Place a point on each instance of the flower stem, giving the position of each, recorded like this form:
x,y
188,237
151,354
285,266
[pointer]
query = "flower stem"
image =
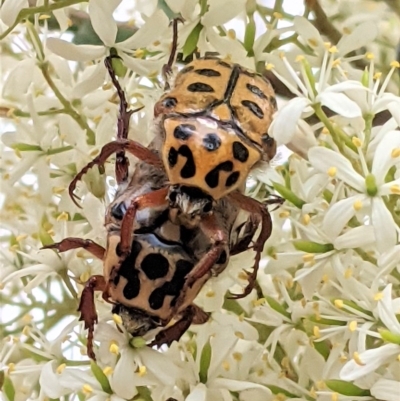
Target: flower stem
x,y
67,105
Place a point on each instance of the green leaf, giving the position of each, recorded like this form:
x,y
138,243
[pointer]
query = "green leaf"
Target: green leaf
x,y
312,247
276,306
100,377
8,389
390,336
250,34
205,361
322,348
26,147
288,195
346,388
119,67
280,390
191,42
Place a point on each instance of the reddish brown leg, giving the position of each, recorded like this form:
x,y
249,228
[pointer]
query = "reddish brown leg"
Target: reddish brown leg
x,y
218,239
152,199
243,242
132,147
74,243
167,68
192,314
253,206
88,309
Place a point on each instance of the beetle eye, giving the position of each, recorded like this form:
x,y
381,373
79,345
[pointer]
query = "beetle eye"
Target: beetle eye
x,y
169,102
207,207
172,197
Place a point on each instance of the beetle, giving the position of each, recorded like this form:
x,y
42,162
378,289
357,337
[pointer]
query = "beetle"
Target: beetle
x,y
153,267
208,140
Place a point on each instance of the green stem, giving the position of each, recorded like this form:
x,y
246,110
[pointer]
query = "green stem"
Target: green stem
x,y
67,105
67,282
27,12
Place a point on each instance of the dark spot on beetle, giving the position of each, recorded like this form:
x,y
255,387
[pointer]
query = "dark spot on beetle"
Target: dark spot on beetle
x,y
240,152
128,265
184,131
249,73
257,91
116,279
185,234
208,72
155,266
118,211
232,179
183,267
222,258
254,108
156,299
186,69
132,287
200,87
212,178
169,102
224,64
172,157
189,169
272,100
211,142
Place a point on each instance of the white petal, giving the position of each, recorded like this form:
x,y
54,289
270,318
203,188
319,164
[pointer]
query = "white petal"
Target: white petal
x,y
73,52
389,259
221,11
122,380
49,382
340,104
323,159
19,79
142,66
101,17
386,311
91,79
236,385
383,102
383,160
199,393
308,32
62,18
386,390
355,238
347,86
394,108
362,35
156,26
283,126
371,360
384,226
10,10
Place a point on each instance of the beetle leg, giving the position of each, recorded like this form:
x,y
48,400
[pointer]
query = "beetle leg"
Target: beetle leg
x,y
167,68
74,243
88,309
243,242
255,207
192,314
153,199
132,147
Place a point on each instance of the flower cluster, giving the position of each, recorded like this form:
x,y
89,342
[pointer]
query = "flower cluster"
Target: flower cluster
x,y
323,322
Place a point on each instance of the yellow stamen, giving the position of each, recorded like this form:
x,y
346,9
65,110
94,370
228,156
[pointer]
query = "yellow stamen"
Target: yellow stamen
x,y
108,370
60,368
358,361
395,152
357,205
231,34
338,303
395,64
117,319
84,277
142,371
332,171
138,53
258,302
284,215
210,294
333,49
87,389
239,334
114,349
237,356
356,141
44,16
336,63
377,75
395,189
225,365
325,278
26,330
308,257
316,332
11,367
378,296
348,272
277,15
343,358
306,219
369,56
63,216
353,325
299,58
269,66
334,396
327,45
58,190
